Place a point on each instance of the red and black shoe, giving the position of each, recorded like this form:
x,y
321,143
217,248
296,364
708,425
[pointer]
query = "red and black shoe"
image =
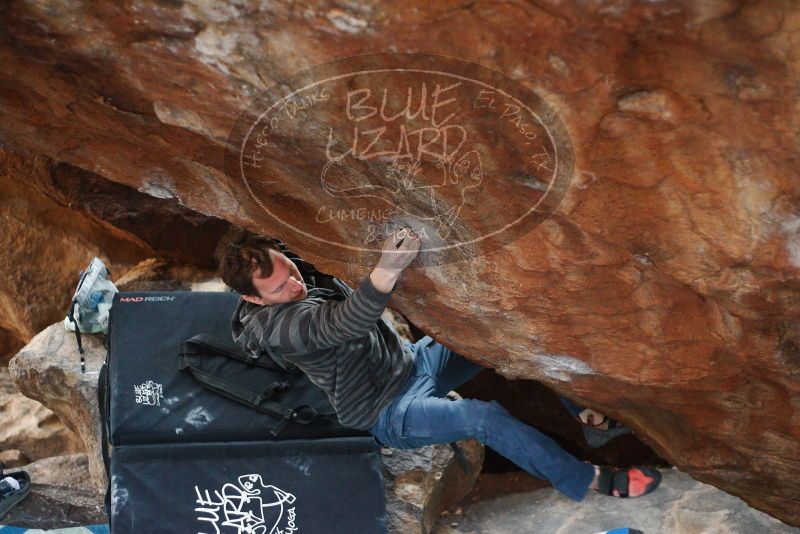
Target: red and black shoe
x,y
631,482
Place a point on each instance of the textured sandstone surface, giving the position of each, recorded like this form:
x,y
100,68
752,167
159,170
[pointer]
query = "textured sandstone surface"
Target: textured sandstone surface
x,y
13,458
29,431
71,470
48,506
33,430
420,483
56,217
682,505
45,244
48,370
663,290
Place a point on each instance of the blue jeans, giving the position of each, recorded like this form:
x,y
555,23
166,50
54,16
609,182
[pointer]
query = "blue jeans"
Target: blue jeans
x,y
420,416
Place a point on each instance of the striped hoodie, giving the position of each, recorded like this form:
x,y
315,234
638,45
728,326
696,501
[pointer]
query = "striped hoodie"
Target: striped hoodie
x,y
337,337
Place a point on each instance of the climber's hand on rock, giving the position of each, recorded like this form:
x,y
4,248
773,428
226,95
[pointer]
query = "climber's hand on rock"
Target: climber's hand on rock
x,y
399,250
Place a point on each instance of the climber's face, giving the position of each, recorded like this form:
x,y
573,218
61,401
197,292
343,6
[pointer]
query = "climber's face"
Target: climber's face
x,y
284,285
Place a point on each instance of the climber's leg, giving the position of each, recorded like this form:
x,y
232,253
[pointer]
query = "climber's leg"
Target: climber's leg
x,y
447,368
427,420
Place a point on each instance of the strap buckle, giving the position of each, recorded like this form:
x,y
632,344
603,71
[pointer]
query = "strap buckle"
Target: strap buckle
x,y
304,414
270,391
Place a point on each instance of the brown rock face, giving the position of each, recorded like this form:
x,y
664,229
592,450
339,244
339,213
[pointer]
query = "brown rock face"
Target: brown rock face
x,y
33,430
56,217
45,244
29,431
662,289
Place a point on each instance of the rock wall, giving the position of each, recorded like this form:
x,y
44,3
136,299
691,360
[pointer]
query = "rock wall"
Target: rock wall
x,y
664,288
45,245
56,217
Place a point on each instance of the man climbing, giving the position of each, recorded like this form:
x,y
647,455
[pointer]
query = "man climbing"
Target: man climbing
x,y
377,382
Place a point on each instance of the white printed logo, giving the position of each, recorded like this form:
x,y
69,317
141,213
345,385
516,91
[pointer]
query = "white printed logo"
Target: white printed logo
x,y
150,393
251,507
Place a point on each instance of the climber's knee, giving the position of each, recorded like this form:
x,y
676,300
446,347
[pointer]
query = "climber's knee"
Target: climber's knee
x,y
481,417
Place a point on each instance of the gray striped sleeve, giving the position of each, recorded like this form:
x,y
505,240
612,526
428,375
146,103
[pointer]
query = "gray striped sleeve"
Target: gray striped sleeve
x,y
309,325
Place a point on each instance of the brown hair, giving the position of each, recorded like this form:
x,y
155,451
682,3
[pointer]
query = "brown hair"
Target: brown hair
x,y
239,254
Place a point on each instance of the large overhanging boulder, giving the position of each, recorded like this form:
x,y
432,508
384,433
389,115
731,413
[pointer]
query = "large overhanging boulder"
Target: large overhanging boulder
x,y
659,282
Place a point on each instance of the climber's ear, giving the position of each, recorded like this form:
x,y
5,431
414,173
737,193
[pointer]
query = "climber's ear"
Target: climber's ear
x,y
255,300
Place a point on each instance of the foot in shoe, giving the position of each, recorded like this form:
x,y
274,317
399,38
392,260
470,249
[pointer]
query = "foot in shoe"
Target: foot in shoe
x,y
631,482
594,419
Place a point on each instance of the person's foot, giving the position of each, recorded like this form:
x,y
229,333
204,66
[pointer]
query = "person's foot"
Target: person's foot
x,y
598,429
631,482
595,419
